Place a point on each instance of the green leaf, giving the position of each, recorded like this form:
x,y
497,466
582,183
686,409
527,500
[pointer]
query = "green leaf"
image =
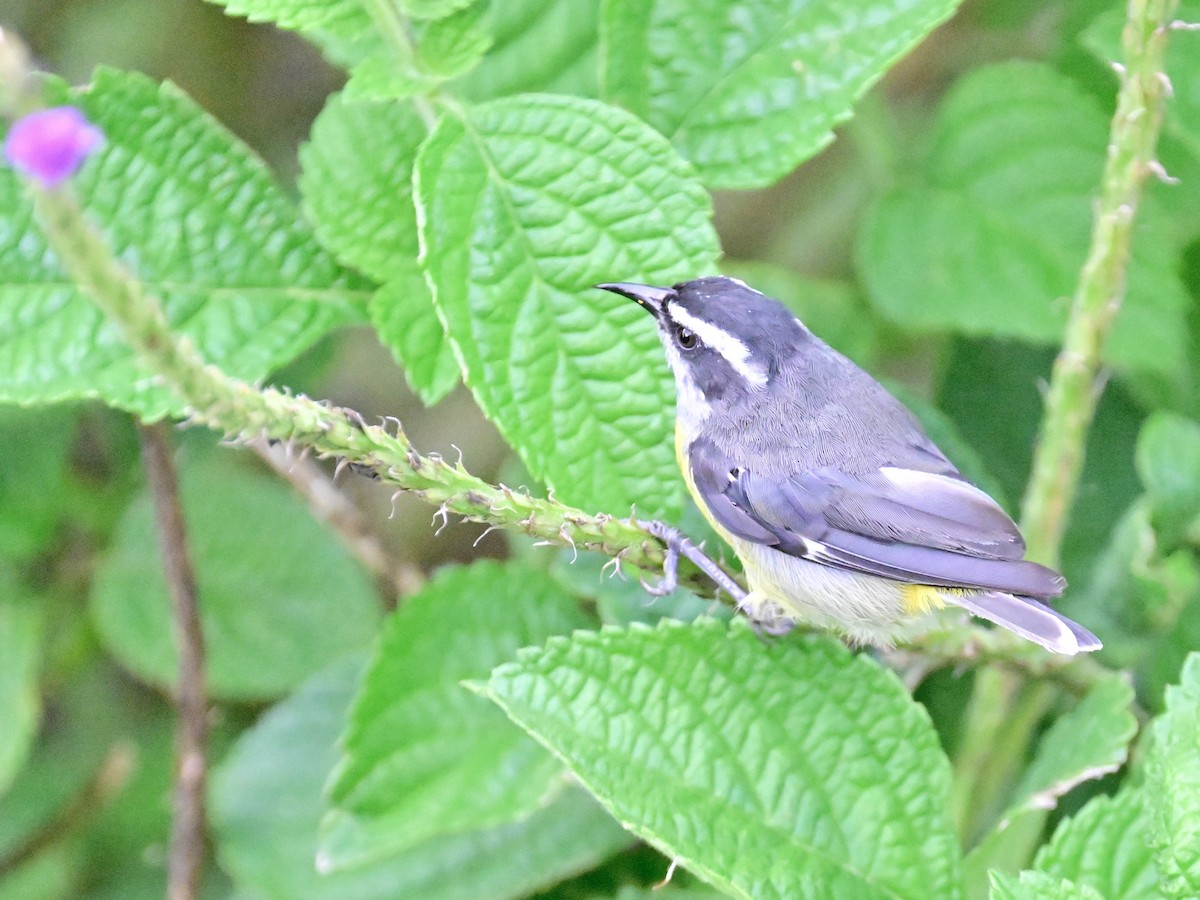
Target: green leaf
x,y
749,91
786,770
78,749
356,178
620,600
50,875
381,65
538,45
406,320
35,490
1105,846
1173,786
279,597
356,181
20,703
1038,886
343,29
1168,463
432,9
1088,742
201,223
524,204
990,242
666,892
453,46
422,756
266,803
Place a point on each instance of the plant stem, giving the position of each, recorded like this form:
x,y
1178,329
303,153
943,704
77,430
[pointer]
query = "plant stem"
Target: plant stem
x,y
245,412
185,859
398,577
1076,383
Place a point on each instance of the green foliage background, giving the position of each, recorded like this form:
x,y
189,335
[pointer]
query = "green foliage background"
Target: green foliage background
x,y
401,205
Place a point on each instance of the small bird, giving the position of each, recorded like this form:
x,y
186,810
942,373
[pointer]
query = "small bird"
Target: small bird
x,y
843,512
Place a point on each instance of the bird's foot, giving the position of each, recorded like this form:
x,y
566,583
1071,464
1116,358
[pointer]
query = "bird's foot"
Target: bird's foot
x,y
678,545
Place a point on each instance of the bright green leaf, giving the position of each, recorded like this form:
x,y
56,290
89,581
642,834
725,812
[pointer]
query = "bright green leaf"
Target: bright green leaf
x,y
992,241
381,65
20,703
453,46
266,803
524,205
537,45
1038,886
199,220
356,178
1105,846
405,319
1172,787
432,9
279,596
749,91
787,770
422,756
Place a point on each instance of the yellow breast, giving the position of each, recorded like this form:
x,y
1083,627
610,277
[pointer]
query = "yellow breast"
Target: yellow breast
x,y
863,606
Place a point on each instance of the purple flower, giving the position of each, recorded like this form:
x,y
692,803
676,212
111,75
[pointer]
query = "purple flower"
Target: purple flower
x,y
50,145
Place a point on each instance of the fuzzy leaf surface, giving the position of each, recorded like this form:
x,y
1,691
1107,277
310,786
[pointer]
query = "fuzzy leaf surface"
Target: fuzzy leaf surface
x,y
785,770
524,204
201,223
749,91
267,802
1038,886
1105,846
356,179
1173,786
423,757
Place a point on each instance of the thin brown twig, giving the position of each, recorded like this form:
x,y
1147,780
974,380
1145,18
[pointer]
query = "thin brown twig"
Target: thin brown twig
x,y
185,861
333,507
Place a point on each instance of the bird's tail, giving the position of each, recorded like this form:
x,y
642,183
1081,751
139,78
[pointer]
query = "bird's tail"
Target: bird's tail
x,y
1030,619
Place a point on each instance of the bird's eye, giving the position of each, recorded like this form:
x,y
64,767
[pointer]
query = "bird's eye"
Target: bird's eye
x,y
686,338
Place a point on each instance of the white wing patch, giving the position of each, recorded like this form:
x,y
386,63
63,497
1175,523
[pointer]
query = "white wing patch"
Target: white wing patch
x,y
735,352
918,482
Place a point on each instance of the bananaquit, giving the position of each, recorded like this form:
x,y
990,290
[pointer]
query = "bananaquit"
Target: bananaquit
x,y
843,512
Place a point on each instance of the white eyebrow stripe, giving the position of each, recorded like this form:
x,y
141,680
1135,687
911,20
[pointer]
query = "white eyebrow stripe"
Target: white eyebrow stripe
x,y
736,353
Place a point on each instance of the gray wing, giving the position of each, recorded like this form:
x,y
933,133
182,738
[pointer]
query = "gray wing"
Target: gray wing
x,y
898,523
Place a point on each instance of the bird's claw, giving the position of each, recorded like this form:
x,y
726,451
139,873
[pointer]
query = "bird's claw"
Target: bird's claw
x,y
678,545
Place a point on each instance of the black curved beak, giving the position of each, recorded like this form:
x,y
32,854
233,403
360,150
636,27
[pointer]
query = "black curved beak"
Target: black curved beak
x,y
649,298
